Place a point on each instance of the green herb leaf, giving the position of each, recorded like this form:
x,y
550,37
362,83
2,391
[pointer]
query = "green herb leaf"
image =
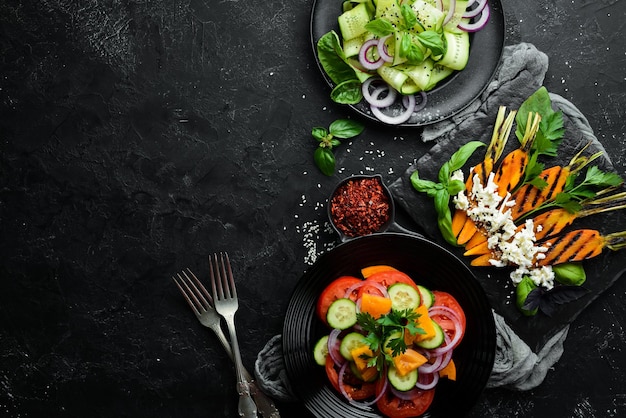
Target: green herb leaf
x,y
347,92
459,158
345,128
319,133
433,41
325,160
332,58
408,14
380,27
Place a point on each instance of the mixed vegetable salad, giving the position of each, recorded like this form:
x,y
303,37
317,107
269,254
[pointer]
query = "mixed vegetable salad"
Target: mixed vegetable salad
x,y
391,48
390,340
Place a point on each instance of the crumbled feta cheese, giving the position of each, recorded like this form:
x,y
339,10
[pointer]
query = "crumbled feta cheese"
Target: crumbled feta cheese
x,y
514,246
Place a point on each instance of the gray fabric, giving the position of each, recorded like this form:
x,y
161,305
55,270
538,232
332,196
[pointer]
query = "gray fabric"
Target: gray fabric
x,y
516,366
523,69
270,372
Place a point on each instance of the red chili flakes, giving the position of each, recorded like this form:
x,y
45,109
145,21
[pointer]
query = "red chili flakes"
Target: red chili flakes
x,y
360,207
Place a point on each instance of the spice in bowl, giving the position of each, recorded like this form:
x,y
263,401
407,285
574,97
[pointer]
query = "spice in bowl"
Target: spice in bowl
x,y
360,206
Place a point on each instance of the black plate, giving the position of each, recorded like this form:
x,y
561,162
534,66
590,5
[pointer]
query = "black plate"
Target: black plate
x,y
428,264
449,97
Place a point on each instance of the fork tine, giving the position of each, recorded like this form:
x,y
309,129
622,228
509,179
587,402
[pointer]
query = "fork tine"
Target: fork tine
x,y
213,269
191,299
206,297
231,280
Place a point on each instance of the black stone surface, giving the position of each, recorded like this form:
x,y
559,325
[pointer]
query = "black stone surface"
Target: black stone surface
x,y
137,137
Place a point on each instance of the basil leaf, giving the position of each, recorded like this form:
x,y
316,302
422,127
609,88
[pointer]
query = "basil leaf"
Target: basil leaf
x,y
345,128
455,187
433,41
459,158
325,160
405,44
380,27
319,133
408,14
415,54
442,199
347,92
332,58
424,186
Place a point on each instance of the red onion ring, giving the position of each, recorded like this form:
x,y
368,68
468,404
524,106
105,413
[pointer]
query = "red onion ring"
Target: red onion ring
x,y
440,362
382,49
395,120
333,347
342,372
475,11
405,395
451,8
422,103
373,97
364,59
477,24
449,345
382,289
425,385
444,311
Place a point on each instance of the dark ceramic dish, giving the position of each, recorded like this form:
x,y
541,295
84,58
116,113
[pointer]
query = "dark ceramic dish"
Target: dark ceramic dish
x,y
428,264
453,94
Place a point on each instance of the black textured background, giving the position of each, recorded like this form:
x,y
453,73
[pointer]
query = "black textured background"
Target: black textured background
x,y
139,136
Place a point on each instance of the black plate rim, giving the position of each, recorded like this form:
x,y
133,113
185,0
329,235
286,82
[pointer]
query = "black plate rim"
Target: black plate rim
x,y
458,92
318,397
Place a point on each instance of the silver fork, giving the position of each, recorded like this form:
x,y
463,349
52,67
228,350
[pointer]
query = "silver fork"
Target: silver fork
x,y
201,304
226,304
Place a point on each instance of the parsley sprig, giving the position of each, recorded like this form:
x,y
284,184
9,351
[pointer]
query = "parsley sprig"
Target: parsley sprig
x,y
389,329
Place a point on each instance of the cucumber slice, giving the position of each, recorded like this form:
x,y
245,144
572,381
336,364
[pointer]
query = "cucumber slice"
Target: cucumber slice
x,y
438,74
393,76
393,336
355,371
389,10
349,343
352,23
320,351
457,52
430,17
402,383
420,73
428,298
341,314
435,341
403,297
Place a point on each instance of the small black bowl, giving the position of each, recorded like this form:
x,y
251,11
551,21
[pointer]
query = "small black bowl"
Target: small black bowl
x,y
389,226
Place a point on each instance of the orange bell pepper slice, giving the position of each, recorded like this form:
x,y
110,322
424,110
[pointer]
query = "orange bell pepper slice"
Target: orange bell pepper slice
x,y
449,371
368,271
375,305
408,361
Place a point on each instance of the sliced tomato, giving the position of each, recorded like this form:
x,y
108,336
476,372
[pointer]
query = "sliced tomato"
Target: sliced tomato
x,y
335,290
354,387
447,300
393,407
386,278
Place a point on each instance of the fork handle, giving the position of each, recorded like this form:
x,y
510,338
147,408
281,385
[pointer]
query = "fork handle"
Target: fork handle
x,y
247,407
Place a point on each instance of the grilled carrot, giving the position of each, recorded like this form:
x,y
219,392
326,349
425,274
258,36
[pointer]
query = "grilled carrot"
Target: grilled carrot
x,y
462,226
579,245
529,197
513,165
556,220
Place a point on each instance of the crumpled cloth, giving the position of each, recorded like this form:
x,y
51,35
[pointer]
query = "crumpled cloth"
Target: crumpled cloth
x,y
516,367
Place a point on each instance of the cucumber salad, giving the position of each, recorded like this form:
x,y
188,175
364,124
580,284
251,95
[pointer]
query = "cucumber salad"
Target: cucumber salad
x,y
391,52
390,340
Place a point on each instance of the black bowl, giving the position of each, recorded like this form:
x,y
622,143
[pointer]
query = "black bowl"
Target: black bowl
x,y
428,264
